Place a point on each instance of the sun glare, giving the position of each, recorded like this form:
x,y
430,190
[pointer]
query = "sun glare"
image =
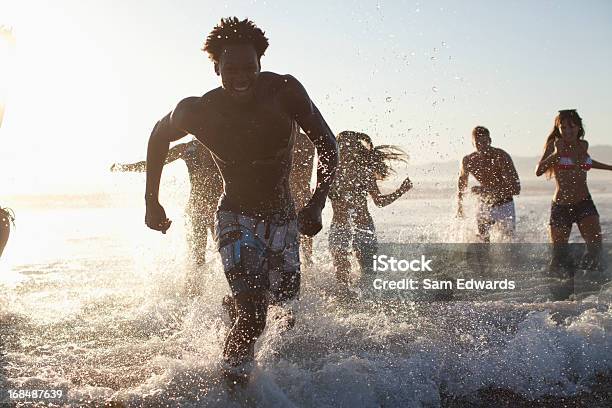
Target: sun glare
x,y
50,66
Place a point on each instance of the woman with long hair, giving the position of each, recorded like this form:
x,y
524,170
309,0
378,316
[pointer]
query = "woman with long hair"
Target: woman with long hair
x,y
361,165
566,158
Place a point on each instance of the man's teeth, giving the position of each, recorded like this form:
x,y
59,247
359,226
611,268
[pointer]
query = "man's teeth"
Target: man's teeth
x,y
241,88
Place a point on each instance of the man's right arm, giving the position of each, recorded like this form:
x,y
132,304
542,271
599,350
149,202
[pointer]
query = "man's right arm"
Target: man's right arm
x,y
170,128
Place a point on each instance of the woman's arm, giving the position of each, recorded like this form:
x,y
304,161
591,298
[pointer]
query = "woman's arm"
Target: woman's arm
x,y
548,160
601,166
381,200
584,147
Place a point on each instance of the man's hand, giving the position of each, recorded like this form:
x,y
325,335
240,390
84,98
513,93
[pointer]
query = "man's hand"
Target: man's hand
x,y
309,220
155,217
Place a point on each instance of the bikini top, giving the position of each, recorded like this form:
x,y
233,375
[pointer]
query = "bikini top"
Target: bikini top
x,y
567,163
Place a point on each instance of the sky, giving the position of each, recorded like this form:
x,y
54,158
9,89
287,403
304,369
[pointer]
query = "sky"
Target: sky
x,y
85,81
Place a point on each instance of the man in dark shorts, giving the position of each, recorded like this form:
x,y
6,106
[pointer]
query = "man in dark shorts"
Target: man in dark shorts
x,y
499,182
249,125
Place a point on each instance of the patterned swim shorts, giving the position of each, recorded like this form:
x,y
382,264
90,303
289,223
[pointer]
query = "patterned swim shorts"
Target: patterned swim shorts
x,y
259,253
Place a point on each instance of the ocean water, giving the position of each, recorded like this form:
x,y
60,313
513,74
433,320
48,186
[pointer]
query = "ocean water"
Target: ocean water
x,y
94,303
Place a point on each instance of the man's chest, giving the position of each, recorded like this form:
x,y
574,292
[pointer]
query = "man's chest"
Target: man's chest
x,y
246,134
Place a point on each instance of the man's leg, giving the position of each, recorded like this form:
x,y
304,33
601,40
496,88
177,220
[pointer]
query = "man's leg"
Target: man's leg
x,y
484,221
243,257
284,270
285,275
504,217
239,349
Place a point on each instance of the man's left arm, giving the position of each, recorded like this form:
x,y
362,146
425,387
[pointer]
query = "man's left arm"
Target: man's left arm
x,y
510,175
306,114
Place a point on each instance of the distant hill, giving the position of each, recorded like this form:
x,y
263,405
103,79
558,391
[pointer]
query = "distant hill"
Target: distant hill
x,y
524,165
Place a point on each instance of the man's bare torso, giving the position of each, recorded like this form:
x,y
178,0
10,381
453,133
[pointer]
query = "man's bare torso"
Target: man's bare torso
x,y
488,169
251,144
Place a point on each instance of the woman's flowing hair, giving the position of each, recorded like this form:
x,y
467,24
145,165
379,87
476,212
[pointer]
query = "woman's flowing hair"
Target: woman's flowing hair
x,y
376,159
568,114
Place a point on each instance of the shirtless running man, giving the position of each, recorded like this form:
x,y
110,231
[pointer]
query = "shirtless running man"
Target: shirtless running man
x,y
207,187
499,182
249,125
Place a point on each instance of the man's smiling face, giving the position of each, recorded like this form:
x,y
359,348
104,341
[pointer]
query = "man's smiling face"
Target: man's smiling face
x,y
239,67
